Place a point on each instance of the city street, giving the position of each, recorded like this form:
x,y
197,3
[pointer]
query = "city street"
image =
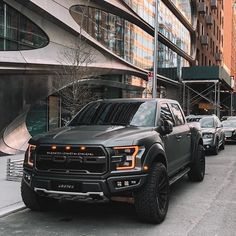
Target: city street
x,y
207,208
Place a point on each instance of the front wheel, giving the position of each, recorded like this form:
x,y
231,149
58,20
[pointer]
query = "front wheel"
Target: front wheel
x,y
216,148
223,144
152,201
33,200
197,168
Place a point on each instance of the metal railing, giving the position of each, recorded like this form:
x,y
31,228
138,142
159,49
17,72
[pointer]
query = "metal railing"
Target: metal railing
x,y
14,170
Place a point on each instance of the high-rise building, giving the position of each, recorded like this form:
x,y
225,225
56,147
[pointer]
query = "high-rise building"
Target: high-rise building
x,y
210,36
233,45
227,44
120,35
207,86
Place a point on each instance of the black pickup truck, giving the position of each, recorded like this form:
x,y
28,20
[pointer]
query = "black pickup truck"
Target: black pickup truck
x,y
131,149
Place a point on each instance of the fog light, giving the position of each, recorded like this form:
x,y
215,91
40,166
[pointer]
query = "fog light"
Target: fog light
x,y
119,184
126,183
133,182
27,178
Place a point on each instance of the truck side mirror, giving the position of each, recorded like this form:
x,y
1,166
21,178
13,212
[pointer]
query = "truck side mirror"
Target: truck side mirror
x,y
166,127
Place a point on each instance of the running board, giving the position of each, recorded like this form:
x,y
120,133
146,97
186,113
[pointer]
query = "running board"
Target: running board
x,y
179,175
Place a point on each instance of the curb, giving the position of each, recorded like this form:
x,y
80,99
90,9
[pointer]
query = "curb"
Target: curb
x,y
18,206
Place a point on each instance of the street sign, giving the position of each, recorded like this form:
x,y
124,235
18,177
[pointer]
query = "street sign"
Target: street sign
x,y
150,80
150,74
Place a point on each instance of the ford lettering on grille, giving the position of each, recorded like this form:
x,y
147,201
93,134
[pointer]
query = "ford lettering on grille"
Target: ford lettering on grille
x,y
92,160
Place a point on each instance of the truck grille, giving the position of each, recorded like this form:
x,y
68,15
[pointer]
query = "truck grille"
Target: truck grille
x,y
71,159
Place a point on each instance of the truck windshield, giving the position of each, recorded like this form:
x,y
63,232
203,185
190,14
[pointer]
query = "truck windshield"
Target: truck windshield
x,y
135,113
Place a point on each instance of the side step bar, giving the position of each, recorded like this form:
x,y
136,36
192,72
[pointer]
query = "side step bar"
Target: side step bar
x,y
179,175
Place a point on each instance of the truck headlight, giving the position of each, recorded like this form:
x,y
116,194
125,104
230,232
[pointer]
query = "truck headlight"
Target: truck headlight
x,y
208,136
126,158
30,155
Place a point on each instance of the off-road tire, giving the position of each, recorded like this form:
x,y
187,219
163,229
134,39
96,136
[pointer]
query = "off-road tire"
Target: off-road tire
x,y
32,200
222,147
216,148
197,171
152,201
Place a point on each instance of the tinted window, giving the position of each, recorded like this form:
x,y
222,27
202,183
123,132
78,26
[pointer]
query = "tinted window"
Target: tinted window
x,y
166,113
179,119
17,32
136,113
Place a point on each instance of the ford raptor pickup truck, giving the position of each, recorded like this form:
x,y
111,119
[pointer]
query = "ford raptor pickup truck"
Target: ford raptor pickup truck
x,y
116,148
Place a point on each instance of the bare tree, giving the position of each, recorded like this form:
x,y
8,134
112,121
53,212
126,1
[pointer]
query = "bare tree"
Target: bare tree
x,y
71,82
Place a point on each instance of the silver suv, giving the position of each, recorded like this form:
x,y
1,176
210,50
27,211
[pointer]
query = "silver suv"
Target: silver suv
x,y
212,132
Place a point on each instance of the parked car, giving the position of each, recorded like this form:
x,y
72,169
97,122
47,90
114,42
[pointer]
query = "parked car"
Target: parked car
x,y
231,118
229,127
224,118
212,132
127,148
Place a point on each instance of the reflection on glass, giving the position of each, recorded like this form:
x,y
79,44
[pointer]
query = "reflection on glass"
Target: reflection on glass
x,y
144,8
132,43
169,62
184,7
118,35
141,114
169,25
173,29
17,32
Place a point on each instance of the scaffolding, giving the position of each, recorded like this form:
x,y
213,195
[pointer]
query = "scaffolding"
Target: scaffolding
x,y
209,91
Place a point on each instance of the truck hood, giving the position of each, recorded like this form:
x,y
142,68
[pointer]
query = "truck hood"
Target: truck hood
x,y
98,134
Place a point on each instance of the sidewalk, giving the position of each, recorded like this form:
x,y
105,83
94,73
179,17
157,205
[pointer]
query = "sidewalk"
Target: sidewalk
x,y
10,197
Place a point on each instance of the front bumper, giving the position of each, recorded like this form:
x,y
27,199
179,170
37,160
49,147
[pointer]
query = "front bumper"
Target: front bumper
x,y
83,188
208,144
230,136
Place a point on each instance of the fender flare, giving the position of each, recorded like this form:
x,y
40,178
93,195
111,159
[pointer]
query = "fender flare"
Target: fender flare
x,y
156,153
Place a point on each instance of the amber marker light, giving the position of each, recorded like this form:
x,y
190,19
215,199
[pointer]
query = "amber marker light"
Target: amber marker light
x,y
68,148
54,147
82,148
145,168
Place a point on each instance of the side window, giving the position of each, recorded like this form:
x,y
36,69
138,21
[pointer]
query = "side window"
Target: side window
x,y
179,119
166,113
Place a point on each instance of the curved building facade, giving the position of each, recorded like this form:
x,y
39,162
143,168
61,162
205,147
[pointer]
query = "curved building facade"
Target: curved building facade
x,y
120,34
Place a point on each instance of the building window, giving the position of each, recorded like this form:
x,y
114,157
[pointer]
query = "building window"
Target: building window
x,y
118,35
17,32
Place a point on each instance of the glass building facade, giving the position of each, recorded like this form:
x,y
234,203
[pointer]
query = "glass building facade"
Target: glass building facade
x,y
184,7
173,29
17,32
144,8
132,43
121,37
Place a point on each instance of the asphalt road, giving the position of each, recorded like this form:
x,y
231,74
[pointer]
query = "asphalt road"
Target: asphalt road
x,y
207,208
